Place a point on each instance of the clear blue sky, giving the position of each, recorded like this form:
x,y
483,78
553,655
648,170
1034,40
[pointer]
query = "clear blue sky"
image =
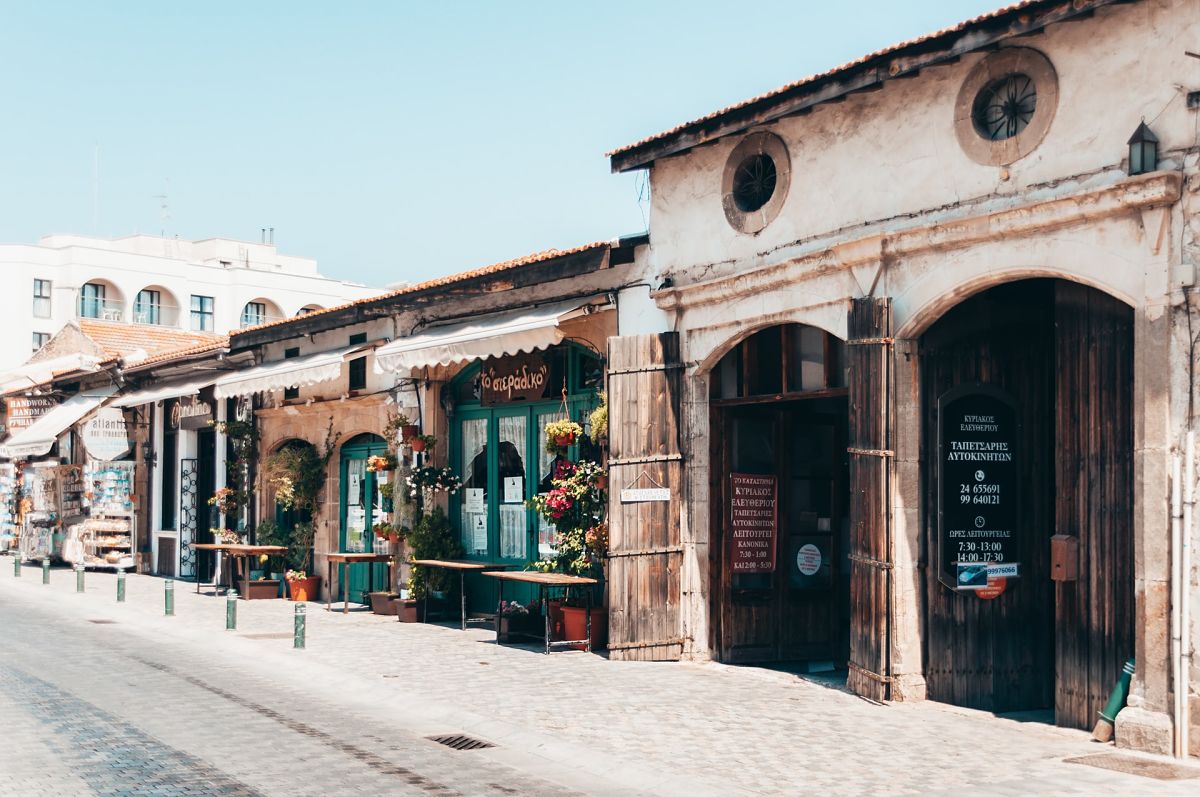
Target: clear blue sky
x,y
390,140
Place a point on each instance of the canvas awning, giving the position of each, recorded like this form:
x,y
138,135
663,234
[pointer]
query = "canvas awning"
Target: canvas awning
x,y
311,369
173,390
41,435
496,335
41,371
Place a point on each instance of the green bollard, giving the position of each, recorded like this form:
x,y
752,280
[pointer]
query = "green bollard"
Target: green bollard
x,y
1103,732
45,571
298,632
17,565
169,598
79,577
120,586
231,599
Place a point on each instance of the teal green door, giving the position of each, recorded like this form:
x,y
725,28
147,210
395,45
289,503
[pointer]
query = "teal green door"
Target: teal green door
x,y
360,509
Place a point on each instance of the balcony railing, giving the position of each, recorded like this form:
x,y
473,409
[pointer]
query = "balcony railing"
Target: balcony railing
x,y
163,315
103,309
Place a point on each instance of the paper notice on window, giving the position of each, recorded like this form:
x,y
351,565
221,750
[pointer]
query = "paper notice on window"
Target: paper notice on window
x,y
479,532
514,489
353,489
475,500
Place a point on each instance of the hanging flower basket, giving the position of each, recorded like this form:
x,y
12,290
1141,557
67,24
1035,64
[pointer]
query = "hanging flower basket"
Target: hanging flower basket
x,y
377,463
408,431
422,442
560,435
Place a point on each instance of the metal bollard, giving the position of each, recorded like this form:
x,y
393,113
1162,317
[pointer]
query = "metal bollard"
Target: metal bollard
x,y
231,599
79,577
298,632
17,565
45,571
169,598
120,586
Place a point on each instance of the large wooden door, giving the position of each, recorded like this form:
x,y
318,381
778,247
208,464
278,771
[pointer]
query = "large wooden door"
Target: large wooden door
x,y
1094,501
995,654
645,553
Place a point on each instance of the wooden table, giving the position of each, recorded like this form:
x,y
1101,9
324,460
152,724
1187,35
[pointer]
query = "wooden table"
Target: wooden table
x,y
240,553
546,582
216,548
347,559
463,567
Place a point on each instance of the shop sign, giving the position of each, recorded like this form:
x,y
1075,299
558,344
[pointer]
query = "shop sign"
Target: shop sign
x,y
753,523
191,413
978,461
24,410
521,377
645,494
105,436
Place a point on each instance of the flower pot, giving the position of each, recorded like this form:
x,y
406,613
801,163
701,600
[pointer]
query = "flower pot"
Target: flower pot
x,y
260,590
575,626
383,603
519,625
602,481
555,609
409,431
564,440
305,589
409,610
417,444
394,537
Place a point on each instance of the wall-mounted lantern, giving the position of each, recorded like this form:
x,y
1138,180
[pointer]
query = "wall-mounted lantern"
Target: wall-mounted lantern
x,y
1143,150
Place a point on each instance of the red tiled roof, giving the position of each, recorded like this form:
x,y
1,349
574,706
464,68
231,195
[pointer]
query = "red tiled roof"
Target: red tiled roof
x,y
450,279
212,345
120,340
836,71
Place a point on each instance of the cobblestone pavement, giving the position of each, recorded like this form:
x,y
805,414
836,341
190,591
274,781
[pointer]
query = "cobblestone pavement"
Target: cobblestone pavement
x,y
103,698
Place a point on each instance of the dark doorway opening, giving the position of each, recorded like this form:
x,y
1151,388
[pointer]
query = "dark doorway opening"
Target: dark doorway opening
x,y
206,485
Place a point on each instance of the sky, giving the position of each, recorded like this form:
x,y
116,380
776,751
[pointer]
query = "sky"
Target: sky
x,y
392,141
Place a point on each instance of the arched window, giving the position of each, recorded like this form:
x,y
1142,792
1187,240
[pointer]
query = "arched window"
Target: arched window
x,y
780,361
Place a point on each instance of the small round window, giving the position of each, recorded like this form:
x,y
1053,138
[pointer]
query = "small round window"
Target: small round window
x,y
754,183
1005,107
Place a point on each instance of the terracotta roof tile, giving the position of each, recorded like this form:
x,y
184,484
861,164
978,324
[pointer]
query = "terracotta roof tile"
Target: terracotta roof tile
x,y
120,340
450,279
960,27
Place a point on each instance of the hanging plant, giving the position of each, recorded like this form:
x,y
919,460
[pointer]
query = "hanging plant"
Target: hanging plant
x,y
432,480
560,435
575,506
599,420
376,463
421,442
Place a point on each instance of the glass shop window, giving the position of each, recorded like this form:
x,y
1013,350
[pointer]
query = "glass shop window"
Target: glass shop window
x,y
778,361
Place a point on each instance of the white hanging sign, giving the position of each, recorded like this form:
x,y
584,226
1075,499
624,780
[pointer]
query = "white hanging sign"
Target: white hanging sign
x,y
105,436
643,495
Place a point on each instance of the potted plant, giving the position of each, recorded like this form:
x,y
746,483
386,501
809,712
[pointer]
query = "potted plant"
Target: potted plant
x,y
431,480
517,619
421,442
598,421
431,538
301,586
380,462
560,435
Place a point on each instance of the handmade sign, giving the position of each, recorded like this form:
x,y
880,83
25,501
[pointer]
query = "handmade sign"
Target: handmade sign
x,y
753,523
521,377
22,411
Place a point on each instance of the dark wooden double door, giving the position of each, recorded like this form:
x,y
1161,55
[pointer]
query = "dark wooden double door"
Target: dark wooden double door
x,y
1064,353
799,611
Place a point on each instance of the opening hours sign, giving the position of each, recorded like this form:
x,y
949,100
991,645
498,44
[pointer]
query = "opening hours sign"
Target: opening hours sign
x,y
753,523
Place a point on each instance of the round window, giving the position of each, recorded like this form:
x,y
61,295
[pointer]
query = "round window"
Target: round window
x,y
1005,107
754,182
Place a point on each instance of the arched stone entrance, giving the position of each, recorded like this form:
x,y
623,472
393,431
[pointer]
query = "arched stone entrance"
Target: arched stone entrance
x,y
1003,488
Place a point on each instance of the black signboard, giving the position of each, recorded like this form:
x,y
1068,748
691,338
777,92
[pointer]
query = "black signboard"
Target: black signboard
x,y
978,460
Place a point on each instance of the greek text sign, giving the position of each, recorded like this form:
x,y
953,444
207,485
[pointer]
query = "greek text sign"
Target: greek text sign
x,y
753,523
642,495
521,377
978,461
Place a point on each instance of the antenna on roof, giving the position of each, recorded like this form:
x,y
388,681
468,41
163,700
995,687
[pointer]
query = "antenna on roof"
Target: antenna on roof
x,y
164,209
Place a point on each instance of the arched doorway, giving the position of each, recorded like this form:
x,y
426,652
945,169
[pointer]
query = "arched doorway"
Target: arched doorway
x,y
361,506
781,499
1027,440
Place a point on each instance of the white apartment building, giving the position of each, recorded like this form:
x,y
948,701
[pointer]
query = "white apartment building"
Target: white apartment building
x,y
212,285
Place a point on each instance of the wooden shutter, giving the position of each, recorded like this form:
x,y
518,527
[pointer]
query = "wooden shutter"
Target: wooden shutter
x,y
869,357
644,378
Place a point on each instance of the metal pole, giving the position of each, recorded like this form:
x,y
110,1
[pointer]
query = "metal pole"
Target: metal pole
x,y
231,599
169,597
79,577
45,571
17,565
298,630
120,586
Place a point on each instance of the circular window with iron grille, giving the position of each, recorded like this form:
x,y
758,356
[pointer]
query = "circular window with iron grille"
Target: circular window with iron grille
x,y
1006,105
755,182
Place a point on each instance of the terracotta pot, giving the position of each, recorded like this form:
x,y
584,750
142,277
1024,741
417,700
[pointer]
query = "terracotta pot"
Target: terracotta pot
x,y
575,626
305,589
555,609
564,440
417,444
394,537
602,481
409,431
409,610
384,603
260,590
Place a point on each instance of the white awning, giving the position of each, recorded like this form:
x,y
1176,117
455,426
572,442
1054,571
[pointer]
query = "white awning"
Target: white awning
x,y
42,371
311,369
42,433
494,336
166,391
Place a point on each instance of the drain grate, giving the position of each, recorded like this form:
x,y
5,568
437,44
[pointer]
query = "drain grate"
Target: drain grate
x,y
103,622
1133,765
283,635
457,741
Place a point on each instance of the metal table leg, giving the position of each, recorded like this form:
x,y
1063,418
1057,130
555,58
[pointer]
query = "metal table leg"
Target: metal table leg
x,y
588,621
499,600
329,582
345,590
462,597
542,593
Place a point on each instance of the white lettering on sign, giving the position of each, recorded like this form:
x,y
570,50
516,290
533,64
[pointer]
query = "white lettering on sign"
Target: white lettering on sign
x,y
639,496
1006,570
105,436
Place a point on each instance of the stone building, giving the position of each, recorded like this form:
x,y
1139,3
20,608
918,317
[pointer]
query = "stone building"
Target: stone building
x,y
934,309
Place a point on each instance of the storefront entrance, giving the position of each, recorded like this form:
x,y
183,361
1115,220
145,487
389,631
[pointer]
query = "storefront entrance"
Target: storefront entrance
x,y
780,415
1027,434
361,507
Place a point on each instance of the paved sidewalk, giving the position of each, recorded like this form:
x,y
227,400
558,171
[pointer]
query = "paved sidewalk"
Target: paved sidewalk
x,y
571,719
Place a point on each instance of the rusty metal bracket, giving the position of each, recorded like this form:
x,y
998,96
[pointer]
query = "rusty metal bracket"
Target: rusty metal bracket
x,y
871,342
647,551
871,452
874,676
866,560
